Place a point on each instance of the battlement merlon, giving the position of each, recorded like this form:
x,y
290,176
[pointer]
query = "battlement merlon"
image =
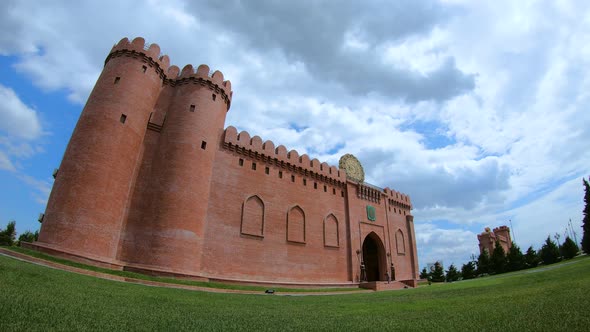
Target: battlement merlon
x,y
502,228
292,157
399,197
172,75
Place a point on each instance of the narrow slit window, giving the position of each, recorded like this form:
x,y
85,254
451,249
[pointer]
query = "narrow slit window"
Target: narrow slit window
x,y
117,79
253,166
280,174
123,118
203,145
267,170
315,185
333,191
325,189
144,68
305,182
192,108
213,96
342,193
241,162
292,178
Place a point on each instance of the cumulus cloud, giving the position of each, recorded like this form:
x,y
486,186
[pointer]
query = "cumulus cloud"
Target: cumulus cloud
x,y
320,35
453,246
41,188
16,118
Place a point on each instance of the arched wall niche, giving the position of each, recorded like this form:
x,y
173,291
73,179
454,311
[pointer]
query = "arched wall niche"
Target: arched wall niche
x,y
296,225
331,235
400,242
252,217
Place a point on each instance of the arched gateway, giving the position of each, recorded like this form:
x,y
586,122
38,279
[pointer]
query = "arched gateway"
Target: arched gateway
x,y
374,258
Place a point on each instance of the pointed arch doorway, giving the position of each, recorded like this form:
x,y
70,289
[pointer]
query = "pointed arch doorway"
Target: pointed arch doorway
x,y
374,258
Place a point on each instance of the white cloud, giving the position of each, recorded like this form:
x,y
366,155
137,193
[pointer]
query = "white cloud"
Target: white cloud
x,y
41,188
5,163
16,118
453,246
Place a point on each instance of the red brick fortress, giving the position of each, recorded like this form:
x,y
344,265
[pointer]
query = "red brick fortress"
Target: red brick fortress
x,y
152,181
487,239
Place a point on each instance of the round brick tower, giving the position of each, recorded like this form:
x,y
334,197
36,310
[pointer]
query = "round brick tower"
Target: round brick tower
x,y
87,204
189,141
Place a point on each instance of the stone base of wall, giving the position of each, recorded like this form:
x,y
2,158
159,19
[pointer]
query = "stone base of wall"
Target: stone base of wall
x,y
151,271
44,248
384,285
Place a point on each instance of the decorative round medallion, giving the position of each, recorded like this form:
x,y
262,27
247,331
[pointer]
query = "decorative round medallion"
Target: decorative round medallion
x,y
352,166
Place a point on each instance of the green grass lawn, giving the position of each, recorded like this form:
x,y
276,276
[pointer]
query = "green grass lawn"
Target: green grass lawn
x,y
553,298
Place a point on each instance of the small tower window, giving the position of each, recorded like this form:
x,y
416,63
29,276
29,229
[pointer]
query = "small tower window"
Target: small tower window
x,y
192,108
123,118
144,68
203,145
213,96
333,191
117,79
241,162
253,166
292,178
305,182
267,170
280,174
342,193
325,189
315,185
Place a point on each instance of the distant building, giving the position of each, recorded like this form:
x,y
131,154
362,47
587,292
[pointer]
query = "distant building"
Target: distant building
x,y
487,239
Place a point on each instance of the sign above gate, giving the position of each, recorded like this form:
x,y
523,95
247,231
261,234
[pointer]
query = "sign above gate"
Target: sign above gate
x,y
371,213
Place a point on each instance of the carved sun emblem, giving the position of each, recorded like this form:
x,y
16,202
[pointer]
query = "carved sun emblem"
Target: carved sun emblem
x,y
352,166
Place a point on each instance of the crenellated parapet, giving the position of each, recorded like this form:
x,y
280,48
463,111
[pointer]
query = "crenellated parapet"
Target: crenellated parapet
x,y
266,151
172,75
398,199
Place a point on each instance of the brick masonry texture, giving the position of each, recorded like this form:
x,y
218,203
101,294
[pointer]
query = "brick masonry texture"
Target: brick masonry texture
x,y
152,181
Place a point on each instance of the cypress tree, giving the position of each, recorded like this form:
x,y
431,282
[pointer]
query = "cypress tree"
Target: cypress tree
x,y
586,221
569,249
483,262
452,274
424,274
438,275
515,258
549,253
498,259
531,258
468,270
8,235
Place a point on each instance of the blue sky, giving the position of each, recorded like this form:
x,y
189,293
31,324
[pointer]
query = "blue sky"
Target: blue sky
x,y
477,110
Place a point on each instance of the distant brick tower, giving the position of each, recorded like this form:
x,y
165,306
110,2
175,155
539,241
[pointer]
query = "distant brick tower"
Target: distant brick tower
x,y
487,239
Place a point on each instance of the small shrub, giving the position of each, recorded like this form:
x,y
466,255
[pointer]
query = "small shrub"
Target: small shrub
x,y
28,236
8,235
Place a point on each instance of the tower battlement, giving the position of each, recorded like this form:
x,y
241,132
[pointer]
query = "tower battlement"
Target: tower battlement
x,y
256,147
171,74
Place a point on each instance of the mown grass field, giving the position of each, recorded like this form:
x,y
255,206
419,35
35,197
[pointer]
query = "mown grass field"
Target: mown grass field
x,y
552,298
